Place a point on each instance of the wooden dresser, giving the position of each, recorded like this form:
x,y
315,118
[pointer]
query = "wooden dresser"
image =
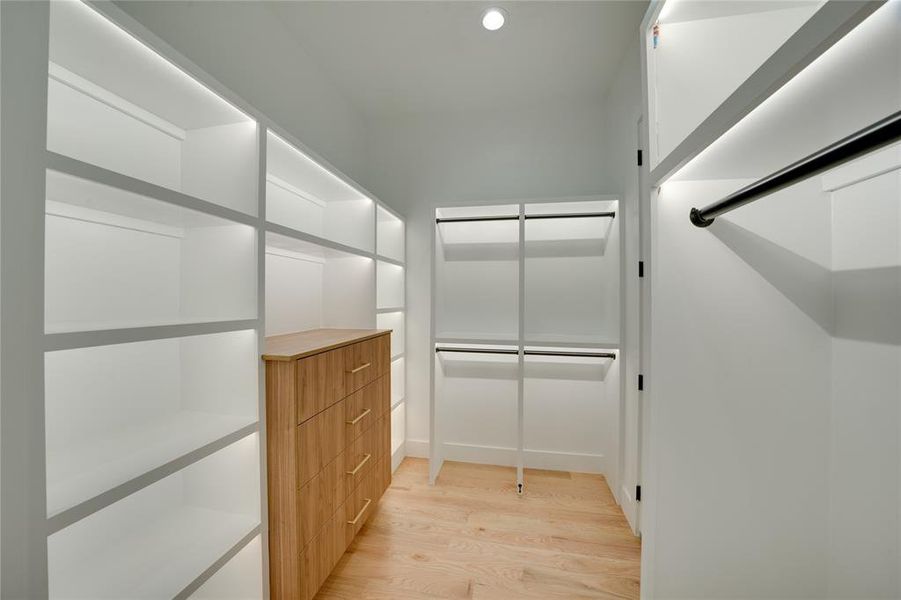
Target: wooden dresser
x,y
328,436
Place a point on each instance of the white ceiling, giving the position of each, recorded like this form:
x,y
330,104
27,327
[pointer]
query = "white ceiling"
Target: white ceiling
x,y
392,58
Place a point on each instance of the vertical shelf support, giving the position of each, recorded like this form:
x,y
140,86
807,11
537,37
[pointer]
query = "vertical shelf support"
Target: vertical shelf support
x,y
262,132
23,134
434,443
521,327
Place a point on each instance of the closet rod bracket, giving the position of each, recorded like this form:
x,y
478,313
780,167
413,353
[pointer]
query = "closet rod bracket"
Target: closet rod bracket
x,y
697,220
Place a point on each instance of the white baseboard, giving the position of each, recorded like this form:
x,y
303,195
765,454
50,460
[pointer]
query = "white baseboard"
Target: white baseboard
x,y
398,457
417,448
494,455
630,508
532,459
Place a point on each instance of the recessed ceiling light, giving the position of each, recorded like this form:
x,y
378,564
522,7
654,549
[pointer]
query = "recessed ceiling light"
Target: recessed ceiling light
x,y
493,19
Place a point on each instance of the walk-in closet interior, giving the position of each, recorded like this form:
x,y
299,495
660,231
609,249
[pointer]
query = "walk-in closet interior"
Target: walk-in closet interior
x,y
412,300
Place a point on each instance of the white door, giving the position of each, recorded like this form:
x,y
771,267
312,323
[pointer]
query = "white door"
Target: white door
x,y
632,348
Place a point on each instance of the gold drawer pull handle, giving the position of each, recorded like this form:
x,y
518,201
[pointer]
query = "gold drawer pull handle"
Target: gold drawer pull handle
x,y
360,368
360,466
357,420
360,514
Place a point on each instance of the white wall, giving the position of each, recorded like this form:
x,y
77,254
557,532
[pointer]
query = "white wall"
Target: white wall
x,y
864,454
243,45
776,395
740,389
421,162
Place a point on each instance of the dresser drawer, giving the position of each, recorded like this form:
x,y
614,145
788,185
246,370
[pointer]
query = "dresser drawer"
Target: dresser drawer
x,y
320,498
359,365
359,413
320,382
320,556
320,440
357,508
359,458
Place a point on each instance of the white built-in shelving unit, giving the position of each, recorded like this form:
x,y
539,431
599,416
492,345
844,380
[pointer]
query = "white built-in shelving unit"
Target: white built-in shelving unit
x,y
150,317
334,258
391,309
173,213
518,290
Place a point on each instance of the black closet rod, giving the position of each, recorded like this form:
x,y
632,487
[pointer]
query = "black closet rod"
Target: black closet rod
x,y
471,219
528,352
610,214
577,354
876,136
476,350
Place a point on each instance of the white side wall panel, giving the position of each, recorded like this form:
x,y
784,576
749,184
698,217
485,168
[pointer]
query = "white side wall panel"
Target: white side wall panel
x,y
741,389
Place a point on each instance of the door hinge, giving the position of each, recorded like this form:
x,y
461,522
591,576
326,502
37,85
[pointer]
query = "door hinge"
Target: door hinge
x,y
641,268
638,493
640,382
640,161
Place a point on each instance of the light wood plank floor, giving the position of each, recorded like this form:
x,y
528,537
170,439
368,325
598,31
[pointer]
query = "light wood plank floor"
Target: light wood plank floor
x,y
471,536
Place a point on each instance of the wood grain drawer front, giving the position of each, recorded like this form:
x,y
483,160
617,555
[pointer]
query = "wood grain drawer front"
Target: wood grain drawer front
x,y
357,508
320,382
371,399
360,458
359,365
320,498
319,441
358,416
320,556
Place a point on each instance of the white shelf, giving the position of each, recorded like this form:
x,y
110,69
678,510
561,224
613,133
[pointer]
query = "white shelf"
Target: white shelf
x,y
691,35
474,337
699,90
391,285
570,341
304,196
398,380
241,578
116,259
86,171
303,236
115,413
394,321
390,309
390,236
853,72
126,335
573,236
142,116
309,286
398,426
157,541
86,470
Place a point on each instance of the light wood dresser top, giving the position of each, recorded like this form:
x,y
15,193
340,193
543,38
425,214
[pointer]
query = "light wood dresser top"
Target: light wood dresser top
x,y
292,346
